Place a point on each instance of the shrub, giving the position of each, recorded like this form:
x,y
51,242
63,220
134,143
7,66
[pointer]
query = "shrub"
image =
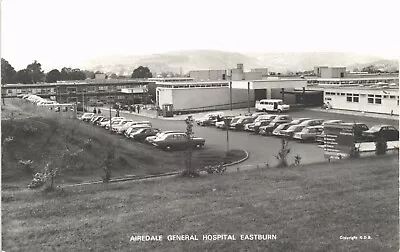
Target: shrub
x,y
354,152
380,146
297,160
282,154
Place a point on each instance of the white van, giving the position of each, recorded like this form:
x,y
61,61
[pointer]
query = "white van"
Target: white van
x,y
273,105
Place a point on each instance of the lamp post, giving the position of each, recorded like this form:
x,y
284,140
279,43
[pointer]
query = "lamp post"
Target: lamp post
x,y
248,97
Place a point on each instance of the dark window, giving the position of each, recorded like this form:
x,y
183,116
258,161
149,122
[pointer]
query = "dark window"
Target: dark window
x,y
355,99
370,95
378,101
385,96
349,98
379,96
392,97
370,100
342,94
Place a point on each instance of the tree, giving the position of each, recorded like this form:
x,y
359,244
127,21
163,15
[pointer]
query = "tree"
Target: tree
x,y
8,72
370,69
35,72
53,76
142,72
22,76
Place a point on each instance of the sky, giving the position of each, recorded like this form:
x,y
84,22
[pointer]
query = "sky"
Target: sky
x,y
62,32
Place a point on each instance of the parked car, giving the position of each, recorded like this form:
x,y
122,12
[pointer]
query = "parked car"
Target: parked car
x,y
141,134
280,119
331,121
86,117
221,124
385,132
289,132
272,105
121,130
257,114
278,130
113,122
177,141
209,119
238,123
257,122
309,133
116,127
107,122
135,127
151,139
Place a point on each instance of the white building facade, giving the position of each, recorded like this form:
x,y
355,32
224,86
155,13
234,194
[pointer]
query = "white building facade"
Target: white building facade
x,y
364,99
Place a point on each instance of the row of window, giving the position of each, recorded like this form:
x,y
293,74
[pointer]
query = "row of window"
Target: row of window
x,y
369,95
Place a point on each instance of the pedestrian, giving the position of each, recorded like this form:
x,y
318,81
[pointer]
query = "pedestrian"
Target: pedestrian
x,y
138,109
98,111
94,111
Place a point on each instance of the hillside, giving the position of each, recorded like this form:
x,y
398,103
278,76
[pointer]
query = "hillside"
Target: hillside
x,y
308,208
212,59
384,65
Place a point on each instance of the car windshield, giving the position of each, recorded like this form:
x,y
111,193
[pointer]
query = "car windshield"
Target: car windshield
x,y
280,103
375,128
235,120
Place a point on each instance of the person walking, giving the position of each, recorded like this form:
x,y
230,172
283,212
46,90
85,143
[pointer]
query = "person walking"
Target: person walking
x,y
138,109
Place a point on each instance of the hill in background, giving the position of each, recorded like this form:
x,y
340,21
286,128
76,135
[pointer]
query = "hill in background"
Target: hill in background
x,y
211,59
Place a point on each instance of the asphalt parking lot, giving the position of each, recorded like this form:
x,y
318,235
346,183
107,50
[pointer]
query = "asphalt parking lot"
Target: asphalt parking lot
x,y
261,149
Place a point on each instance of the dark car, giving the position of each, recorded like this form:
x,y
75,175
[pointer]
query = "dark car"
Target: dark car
x,y
385,132
177,141
281,119
238,123
142,133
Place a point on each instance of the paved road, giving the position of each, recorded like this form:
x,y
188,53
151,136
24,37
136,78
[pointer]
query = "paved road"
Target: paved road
x,y
261,149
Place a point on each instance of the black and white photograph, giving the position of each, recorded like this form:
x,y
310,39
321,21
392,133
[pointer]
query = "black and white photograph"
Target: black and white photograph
x,y
194,125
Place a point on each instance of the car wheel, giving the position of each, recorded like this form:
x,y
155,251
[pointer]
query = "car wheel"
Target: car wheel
x,y
199,146
279,111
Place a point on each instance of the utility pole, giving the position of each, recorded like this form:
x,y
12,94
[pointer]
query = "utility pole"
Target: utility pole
x,y
230,94
110,118
227,123
248,97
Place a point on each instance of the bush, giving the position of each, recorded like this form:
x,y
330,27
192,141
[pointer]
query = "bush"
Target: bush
x,y
354,152
380,146
283,153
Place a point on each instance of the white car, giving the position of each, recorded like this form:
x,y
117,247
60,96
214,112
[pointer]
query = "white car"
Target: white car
x,y
151,139
86,116
120,124
105,123
135,127
124,128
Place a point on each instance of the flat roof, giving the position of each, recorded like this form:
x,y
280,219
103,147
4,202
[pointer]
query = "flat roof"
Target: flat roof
x,y
93,82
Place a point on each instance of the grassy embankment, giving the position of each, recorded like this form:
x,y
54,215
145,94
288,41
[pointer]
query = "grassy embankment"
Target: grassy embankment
x,y
80,149
308,208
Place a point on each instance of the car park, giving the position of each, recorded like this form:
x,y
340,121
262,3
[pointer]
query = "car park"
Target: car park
x,y
141,134
238,123
384,132
309,133
178,141
331,121
280,119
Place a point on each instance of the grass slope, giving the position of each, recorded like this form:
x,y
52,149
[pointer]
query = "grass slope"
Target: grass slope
x,y
308,208
79,150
